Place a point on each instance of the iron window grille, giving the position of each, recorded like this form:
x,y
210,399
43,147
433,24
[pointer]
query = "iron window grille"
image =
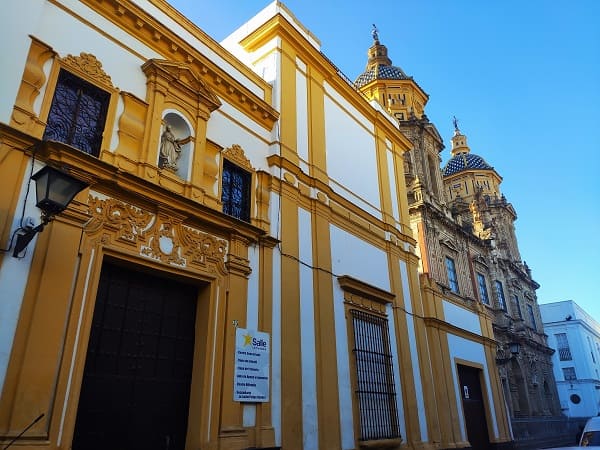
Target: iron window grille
x,y
375,387
77,114
235,193
562,344
500,295
483,289
452,278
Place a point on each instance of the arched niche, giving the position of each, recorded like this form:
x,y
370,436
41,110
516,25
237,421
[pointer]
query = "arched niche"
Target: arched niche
x,y
176,144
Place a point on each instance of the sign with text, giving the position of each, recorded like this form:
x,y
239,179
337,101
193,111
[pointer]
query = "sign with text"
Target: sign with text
x,y
251,373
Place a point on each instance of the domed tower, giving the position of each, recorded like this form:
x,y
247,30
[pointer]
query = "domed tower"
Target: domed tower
x,y
466,173
401,96
472,191
389,85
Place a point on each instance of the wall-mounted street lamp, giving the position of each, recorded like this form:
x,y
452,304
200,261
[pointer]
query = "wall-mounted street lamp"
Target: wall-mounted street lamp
x,y
514,348
54,191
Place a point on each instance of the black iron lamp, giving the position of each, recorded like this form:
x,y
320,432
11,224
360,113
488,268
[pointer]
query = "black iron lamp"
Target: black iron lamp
x,y
54,190
514,348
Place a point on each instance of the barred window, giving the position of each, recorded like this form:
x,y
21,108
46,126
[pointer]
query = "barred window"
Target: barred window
x,y
483,293
375,387
452,279
77,114
562,344
236,191
500,295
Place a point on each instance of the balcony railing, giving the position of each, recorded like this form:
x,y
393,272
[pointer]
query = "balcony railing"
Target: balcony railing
x,y
564,354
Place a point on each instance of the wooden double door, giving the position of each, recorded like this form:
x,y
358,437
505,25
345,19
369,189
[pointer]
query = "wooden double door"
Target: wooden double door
x,y
136,384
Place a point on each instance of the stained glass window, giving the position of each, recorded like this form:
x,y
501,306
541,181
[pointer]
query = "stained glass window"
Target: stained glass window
x,y
77,114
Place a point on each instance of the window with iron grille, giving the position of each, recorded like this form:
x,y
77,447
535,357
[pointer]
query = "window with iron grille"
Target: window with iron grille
x,y
375,387
483,293
236,191
562,344
569,373
452,279
500,295
77,114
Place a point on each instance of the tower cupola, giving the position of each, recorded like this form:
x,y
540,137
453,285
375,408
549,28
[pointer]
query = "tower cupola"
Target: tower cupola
x,y
459,140
397,92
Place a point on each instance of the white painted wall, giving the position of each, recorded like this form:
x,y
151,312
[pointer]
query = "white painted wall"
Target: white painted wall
x,y
461,318
351,154
345,392
14,273
352,256
583,335
302,113
15,27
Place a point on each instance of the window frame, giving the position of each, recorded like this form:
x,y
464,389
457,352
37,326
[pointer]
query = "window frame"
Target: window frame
x,y
500,298
562,347
482,288
368,299
569,369
89,69
236,169
70,83
451,270
371,339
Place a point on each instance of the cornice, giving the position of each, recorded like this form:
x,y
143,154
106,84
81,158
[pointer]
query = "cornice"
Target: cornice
x,y
138,23
350,284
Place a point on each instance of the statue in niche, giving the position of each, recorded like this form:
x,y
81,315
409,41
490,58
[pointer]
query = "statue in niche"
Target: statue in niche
x,y
170,149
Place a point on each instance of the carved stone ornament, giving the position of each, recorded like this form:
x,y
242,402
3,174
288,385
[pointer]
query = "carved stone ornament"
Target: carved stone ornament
x,y
88,64
156,236
236,154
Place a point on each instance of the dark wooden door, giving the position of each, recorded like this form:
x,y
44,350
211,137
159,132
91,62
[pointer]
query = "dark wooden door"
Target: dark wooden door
x,y
473,407
136,382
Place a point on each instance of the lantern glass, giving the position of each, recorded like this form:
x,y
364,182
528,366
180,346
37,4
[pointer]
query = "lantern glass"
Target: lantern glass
x,y
55,189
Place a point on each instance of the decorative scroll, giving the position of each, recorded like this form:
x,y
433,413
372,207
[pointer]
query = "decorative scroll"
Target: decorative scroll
x,y
236,154
88,64
129,222
157,236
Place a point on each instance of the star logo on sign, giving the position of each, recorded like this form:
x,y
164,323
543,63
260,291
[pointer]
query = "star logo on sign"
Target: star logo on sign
x,y
247,339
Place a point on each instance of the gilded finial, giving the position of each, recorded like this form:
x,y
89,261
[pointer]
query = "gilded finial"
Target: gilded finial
x,y
455,122
375,33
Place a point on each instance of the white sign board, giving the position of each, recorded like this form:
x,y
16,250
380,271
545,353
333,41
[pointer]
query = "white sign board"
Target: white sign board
x,y
251,373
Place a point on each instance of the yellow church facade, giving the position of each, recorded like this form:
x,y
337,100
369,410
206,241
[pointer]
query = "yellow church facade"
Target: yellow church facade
x,y
239,271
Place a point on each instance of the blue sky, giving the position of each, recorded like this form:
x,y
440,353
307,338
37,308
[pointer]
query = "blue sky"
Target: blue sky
x,y
523,78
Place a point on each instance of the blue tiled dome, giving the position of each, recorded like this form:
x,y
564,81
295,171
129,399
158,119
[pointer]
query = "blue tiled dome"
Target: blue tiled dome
x,y
380,72
465,161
